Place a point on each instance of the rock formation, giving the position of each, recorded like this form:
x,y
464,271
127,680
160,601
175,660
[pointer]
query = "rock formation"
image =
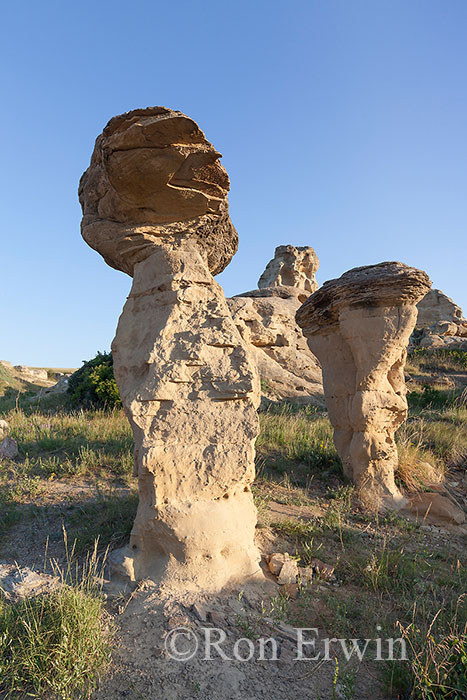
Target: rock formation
x,y
359,327
265,318
291,267
155,206
436,306
440,322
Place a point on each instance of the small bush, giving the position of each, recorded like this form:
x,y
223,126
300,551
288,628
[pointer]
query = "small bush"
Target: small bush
x,y
93,385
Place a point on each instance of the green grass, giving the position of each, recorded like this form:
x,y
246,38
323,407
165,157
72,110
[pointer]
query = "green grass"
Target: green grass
x,y
384,566
55,644
439,435
299,434
65,443
429,397
442,359
437,666
111,517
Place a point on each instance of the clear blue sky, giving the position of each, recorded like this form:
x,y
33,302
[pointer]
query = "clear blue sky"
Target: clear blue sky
x,y
342,123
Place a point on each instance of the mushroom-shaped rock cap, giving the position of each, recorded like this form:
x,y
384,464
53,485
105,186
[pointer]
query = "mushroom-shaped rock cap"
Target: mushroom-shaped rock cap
x,y
153,173
385,284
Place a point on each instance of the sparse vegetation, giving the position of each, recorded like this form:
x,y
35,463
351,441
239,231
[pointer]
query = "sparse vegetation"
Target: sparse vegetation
x,y
111,515
55,643
438,360
289,433
437,667
64,443
388,570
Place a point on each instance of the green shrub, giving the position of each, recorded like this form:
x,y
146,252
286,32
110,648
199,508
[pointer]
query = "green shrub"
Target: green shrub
x,y
93,385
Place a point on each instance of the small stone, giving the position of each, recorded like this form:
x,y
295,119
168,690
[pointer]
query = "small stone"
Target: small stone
x,y
8,449
435,508
290,589
276,562
199,612
287,656
321,569
287,631
236,606
178,621
306,574
289,572
4,428
217,619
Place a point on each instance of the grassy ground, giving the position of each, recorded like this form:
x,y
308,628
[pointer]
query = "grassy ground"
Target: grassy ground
x,y
57,644
391,573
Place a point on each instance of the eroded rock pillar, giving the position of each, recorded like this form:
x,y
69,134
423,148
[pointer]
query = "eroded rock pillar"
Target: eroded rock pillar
x,y
359,327
188,385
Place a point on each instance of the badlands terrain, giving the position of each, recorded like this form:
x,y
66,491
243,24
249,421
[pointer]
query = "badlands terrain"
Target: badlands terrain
x,y
353,574
178,516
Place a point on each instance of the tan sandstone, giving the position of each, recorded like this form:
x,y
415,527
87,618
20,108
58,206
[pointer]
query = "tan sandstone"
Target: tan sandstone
x,y
265,318
436,306
436,508
359,327
155,206
291,267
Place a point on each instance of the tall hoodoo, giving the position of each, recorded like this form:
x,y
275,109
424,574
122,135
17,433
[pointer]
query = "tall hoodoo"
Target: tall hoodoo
x,y
155,206
359,327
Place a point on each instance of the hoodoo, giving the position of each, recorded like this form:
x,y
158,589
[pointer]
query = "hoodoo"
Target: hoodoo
x,y
154,202
359,326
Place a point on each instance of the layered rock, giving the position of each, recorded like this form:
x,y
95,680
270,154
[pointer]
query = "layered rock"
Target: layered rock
x,y
155,206
359,327
265,318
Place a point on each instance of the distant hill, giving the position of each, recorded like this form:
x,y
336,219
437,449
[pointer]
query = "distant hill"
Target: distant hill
x,y
22,379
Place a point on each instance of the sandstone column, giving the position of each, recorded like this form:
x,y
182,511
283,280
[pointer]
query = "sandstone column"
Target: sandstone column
x,y
155,206
359,327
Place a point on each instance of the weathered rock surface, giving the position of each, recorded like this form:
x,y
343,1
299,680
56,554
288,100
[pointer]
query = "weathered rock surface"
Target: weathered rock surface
x,y
291,267
4,429
436,508
436,306
265,319
22,582
359,327
155,206
8,449
32,372
440,322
